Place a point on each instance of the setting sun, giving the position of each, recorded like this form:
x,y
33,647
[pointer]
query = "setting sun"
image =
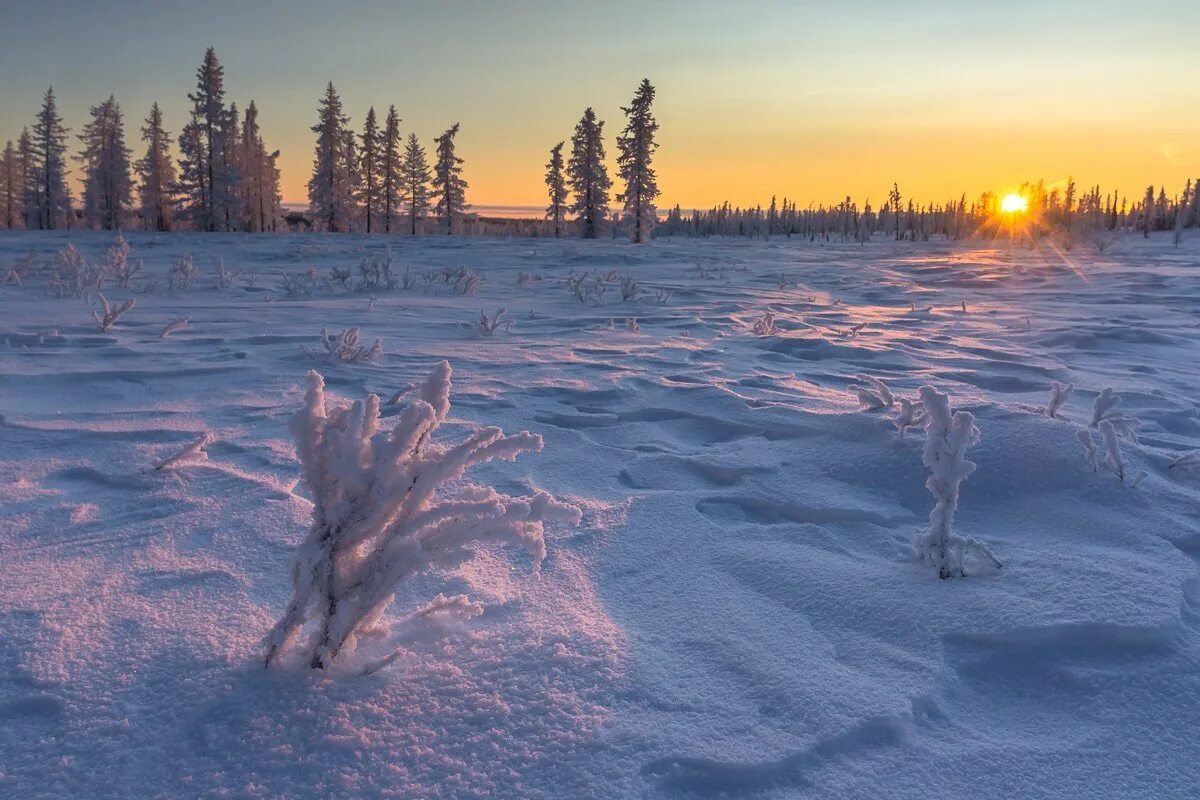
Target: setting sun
x,y
1014,204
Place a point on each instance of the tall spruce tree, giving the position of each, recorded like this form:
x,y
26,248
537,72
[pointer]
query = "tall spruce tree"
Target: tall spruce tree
x,y
448,185
635,157
391,171
156,174
556,186
47,197
27,176
107,185
331,188
369,171
588,176
415,189
205,189
12,215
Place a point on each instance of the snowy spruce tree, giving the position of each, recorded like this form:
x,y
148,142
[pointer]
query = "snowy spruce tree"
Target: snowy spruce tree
x,y
47,198
588,176
331,189
261,203
635,165
414,191
107,185
156,174
450,190
369,168
205,190
556,184
389,505
391,172
27,177
12,188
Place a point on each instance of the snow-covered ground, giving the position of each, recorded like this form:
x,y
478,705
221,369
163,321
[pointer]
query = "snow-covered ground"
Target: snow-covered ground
x,y
739,611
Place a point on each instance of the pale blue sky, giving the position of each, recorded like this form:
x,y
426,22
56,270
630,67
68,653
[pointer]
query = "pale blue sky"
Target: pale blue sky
x,y
811,99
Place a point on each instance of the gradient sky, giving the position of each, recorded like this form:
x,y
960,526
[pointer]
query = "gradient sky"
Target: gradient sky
x,y
813,100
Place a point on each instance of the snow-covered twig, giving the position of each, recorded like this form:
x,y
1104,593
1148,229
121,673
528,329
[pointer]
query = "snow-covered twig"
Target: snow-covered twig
x,y
193,452
388,505
1112,446
632,324
1090,453
172,327
946,441
111,313
875,395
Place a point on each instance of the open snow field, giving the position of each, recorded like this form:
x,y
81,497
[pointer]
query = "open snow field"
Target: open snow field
x,y
738,614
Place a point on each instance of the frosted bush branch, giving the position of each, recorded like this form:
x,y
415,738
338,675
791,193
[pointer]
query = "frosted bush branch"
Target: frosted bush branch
x,y
387,505
193,452
630,290
766,325
1059,393
112,313
1186,460
172,327
633,325
224,278
182,273
946,441
910,415
345,346
1103,411
874,395
1112,446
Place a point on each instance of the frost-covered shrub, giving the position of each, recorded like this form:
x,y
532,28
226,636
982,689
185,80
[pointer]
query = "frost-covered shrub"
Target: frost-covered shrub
x,y
387,505
1112,446
20,271
375,273
1059,393
111,313
488,327
765,326
224,278
72,275
631,291
632,324
117,266
1090,453
345,346
1103,410
873,394
946,441
183,273
299,285
661,296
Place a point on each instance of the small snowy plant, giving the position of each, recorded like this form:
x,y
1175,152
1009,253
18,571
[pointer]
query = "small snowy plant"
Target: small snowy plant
x,y
224,278
911,414
633,325
388,505
873,394
1112,446
1103,410
172,327
488,327
766,325
946,441
1059,393
1090,452
182,274
345,346
112,313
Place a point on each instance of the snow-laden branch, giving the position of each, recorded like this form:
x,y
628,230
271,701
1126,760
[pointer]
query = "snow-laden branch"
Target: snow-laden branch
x,y
175,326
387,505
765,326
946,441
910,415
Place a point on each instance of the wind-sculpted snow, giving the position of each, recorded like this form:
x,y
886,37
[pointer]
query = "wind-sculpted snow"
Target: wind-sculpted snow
x,y
738,614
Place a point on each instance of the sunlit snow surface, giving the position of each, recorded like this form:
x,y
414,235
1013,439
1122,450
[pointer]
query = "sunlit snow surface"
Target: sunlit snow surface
x,y
738,613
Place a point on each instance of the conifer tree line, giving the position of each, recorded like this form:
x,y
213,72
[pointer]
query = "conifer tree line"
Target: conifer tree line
x,y
1064,211
223,179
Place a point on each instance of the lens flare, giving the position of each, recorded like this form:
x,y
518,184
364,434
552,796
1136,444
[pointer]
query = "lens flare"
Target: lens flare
x,y
1014,204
